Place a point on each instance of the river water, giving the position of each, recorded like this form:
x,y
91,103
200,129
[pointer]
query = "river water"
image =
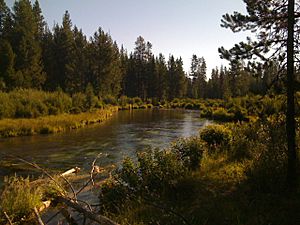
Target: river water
x,y
122,135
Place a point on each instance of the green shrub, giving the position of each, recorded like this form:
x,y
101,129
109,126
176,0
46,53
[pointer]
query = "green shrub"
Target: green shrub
x,y
137,100
110,100
123,101
221,114
78,102
239,113
155,173
190,151
268,171
206,112
216,135
189,106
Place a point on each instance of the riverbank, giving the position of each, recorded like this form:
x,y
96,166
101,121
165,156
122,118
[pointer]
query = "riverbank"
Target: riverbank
x,y
53,123
227,174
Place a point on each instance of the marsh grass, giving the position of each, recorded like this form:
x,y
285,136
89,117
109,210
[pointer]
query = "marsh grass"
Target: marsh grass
x,y
18,199
53,124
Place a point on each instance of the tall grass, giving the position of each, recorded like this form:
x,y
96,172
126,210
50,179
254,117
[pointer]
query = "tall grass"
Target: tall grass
x,y
18,199
53,124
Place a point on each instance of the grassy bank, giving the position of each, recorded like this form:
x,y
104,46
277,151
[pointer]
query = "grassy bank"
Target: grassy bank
x,y
54,123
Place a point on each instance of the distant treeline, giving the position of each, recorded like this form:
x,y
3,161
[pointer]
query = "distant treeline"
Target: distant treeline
x,y
34,56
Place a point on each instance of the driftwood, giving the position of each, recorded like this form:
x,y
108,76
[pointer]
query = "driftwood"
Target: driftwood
x,y
70,171
69,202
46,204
92,216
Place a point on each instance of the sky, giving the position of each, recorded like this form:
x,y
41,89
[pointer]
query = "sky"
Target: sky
x,y
178,27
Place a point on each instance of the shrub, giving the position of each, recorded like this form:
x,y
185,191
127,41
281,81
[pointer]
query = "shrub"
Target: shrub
x,y
137,100
155,173
268,171
123,101
190,151
189,106
216,135
206,112
111,100
221,114
78,102
239,113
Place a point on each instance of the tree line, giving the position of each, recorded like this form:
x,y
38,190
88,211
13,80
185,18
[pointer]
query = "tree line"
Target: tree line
x,y
34,56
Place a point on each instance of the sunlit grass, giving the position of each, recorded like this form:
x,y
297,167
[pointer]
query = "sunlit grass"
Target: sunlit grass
x,y
53,124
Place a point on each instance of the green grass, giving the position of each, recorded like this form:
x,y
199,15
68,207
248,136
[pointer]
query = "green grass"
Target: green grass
x,y
18,200
53,124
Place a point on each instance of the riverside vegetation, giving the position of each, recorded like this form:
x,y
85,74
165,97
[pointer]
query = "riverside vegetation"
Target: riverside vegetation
x,y
231,173
28,111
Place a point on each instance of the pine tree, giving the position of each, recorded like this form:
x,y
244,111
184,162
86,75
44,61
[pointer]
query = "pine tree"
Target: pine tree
x,y
274,22
105,64
64,54
161,79
7,58
39,20
28,64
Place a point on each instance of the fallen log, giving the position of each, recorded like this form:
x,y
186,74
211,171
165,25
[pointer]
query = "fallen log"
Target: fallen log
x,y
92,216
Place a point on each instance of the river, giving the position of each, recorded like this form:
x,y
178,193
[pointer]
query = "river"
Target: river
x,y
122,135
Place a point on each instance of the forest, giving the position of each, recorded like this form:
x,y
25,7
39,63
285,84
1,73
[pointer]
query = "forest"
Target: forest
x,y
62,57
241,167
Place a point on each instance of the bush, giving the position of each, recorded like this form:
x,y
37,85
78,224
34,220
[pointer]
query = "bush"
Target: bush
x,y
155,173
221,114
239,113
216,135
138,101
111,100
268,171
78,102
190,151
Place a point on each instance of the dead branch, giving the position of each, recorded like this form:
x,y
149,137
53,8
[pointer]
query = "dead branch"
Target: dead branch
x,y
46,204
70,171
38,217
97,218
8,219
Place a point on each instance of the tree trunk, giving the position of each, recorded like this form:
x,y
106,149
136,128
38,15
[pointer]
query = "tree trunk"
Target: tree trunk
x,y
290,114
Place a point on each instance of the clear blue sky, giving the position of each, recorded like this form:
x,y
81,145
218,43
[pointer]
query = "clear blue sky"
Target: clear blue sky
x,y
178,27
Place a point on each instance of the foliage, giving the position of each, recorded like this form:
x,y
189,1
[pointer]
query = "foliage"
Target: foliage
x,y
156,173
215,135
190,151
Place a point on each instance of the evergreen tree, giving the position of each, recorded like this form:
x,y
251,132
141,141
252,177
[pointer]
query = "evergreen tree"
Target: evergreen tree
x,y
105,64
39,20
161,71
64,54
28,65
7,58
274,22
